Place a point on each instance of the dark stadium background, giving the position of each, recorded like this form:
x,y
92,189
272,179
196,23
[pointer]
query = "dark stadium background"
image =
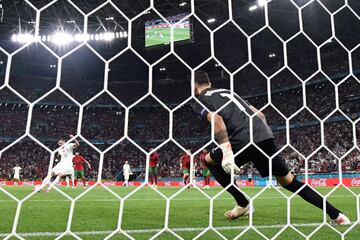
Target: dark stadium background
x,y
33,74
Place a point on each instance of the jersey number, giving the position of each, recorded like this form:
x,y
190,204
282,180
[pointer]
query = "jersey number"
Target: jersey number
x,y
234,100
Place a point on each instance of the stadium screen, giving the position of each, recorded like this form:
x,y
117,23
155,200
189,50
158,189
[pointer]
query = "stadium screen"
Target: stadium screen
x,y
157,32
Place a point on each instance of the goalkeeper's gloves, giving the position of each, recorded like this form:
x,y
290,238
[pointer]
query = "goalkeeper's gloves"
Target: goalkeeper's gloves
x,y
228,159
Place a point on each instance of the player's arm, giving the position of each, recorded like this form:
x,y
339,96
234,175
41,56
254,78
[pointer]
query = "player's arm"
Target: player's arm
x,y
221,134
259,114
77,144
222,137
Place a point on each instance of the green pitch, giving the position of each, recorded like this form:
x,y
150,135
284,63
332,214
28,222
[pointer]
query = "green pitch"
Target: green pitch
x,y
153,36
95,216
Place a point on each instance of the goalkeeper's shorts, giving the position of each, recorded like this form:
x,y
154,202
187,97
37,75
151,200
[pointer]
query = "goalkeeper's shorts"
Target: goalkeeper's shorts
x,y
260,161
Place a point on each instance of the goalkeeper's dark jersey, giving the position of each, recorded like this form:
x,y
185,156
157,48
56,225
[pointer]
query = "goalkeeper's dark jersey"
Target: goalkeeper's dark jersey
x,y
236,120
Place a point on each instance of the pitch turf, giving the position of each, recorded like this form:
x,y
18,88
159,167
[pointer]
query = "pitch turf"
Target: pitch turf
x,y
180,34
45,215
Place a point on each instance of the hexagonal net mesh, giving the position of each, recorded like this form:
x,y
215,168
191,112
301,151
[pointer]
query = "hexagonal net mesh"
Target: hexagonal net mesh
x,y
120,76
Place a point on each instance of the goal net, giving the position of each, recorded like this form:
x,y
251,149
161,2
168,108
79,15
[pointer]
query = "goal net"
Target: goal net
x,y
115,80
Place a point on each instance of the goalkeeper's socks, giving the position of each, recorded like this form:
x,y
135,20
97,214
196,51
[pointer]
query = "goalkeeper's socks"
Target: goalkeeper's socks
x,y
312,197
225,179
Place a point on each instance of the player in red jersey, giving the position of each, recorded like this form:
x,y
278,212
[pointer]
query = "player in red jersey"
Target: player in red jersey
x,y
78,162
153,167
205,171
185,166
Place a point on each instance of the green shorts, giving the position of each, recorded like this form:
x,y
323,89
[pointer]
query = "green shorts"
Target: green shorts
x,y
78,174
205,172
153,170
186,171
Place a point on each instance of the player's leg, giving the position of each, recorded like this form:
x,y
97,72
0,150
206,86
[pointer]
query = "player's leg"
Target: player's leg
x,y
126,182
208,176
288,181
67,179
76,178
155,175
204,183
192,177
151,176
84,182
75,182
46,180
73,177
55,182
16,179
207,180
82,176
54,172
204,173
186,176
213,162
155,179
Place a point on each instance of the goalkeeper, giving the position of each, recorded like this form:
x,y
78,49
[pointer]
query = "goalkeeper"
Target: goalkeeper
x,y
232,132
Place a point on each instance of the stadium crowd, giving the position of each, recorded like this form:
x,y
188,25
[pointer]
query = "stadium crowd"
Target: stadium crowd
x,y
103,124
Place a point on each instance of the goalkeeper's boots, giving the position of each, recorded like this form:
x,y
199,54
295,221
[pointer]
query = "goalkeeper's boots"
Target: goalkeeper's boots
x,y
238,211
341,220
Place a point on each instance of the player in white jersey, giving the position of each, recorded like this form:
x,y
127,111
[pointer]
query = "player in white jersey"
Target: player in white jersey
x,y
250,178
67,179
126,172
64,167
16,174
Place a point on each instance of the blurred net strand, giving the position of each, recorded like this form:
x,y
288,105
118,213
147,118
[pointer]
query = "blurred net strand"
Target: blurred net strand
x,y
168,199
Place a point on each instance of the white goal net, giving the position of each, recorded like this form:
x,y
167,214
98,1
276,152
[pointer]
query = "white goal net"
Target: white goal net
x,y
119,76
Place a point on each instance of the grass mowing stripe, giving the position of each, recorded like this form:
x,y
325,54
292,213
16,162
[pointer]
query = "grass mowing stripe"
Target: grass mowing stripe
x,y
50,234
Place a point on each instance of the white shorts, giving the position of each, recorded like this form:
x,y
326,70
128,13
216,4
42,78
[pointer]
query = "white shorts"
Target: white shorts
x,y
17,176
62,168
126,176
